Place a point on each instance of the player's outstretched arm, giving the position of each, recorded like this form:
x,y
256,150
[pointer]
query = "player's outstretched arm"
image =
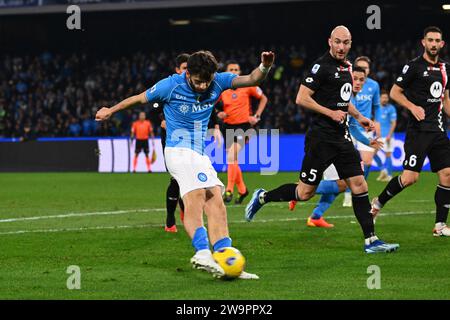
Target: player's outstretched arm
x,y
105,113
258,75
305,99
366,123
398,96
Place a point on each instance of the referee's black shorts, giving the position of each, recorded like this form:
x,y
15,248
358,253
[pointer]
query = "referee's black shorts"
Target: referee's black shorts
x,y
238,133
141,145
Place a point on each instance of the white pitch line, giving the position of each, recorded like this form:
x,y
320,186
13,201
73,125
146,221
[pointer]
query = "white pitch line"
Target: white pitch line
x,y
406,213
118,212
80,214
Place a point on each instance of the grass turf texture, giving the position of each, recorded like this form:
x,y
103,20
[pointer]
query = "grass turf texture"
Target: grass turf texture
x,y
124,253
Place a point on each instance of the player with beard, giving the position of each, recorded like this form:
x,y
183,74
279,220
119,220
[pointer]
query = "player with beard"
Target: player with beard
x,y
326,90
423,88
188,101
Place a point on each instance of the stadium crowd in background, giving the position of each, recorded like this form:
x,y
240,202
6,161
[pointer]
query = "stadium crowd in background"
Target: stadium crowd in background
x,y
57,95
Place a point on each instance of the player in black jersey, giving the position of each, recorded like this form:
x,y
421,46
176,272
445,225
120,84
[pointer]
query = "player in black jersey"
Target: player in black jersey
x,y
327,90
423,88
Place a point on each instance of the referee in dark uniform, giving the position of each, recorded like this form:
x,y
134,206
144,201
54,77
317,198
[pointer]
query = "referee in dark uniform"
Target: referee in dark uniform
x,y
423,88
326,90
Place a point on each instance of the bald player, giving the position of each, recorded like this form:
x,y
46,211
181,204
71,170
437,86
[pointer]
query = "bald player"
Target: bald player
x,y
326,90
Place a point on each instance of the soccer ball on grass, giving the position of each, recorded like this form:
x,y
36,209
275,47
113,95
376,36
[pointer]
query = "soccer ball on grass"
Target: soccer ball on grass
x,y
231,260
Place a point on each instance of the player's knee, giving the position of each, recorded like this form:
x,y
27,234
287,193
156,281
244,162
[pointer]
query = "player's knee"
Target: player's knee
x,y
359,186
409,178
305,194
342,186
444,177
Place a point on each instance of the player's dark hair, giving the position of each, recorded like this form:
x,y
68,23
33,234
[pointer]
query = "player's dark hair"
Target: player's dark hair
x,y
384,91
363,58
203,64
230,62
432,29
181,58
359,69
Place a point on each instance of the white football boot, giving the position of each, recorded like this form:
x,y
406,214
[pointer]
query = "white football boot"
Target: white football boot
x,y
203,260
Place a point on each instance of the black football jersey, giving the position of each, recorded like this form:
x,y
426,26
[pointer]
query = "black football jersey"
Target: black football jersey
x,y
332,83
424,85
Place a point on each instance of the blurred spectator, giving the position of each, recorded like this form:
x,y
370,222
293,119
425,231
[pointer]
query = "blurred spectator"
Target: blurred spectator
x,y
55,95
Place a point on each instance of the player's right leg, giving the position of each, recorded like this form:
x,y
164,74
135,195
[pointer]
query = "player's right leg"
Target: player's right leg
x,y
316,159
442,200
416,148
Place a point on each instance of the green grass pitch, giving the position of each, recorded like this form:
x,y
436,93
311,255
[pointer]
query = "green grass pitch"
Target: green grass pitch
x,y
111,226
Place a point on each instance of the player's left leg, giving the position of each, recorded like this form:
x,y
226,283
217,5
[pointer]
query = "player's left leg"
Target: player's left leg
x,y
193,223
348,166
242,188
442,200
328,195
216,213
147,158
231,172
172,197
361,209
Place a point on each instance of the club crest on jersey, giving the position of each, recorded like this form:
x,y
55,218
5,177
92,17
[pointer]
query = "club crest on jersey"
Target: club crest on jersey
x,y
309,80
184,108
436,89
346,91
234,96
425,74
213,95
315,68
202,177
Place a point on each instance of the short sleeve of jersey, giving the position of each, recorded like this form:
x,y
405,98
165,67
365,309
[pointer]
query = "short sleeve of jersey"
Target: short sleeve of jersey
x,y
376,96
406,76
314,77
393,114
256,92
160,91
225,79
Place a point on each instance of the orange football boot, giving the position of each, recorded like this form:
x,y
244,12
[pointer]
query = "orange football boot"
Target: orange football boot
x,y
292,205
321,223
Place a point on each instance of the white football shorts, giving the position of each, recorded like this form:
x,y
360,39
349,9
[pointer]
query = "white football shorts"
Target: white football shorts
x,y
191,169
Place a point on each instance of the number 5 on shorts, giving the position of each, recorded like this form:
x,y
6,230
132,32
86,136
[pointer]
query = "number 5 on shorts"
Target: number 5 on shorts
x,y
313,174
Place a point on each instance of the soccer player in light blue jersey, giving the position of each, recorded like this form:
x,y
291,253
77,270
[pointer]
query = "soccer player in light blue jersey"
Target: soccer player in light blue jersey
x,y
188,101
366,101
386,119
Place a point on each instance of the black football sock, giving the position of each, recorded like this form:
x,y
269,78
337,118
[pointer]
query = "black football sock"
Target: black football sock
x,y
361,208
442,200
286,192
393,187
172,195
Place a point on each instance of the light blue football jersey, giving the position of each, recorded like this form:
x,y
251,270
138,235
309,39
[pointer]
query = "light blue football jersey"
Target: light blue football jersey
x,y
187,112
366,101
385,115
